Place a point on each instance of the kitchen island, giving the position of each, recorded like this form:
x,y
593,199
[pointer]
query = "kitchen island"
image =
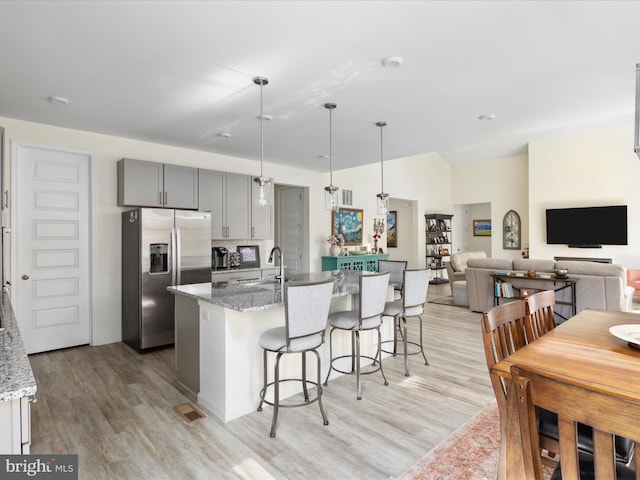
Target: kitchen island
x,y
17,385
225,319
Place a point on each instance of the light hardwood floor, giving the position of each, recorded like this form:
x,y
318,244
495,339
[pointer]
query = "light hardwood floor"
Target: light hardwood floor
x,y
114,408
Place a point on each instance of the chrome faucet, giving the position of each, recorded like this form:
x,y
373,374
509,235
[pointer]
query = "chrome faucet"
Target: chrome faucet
x,y
280,276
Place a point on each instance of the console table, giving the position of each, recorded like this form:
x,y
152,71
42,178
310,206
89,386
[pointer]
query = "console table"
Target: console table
x,y
368,263
523,291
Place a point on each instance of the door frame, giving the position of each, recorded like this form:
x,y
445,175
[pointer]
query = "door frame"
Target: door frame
x,y
13,221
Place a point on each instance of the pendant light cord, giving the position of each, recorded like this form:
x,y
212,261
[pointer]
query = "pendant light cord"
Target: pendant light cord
x,y
261,81
381,124
331,145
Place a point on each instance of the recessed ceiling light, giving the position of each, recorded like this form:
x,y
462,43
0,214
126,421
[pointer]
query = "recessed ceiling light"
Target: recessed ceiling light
x,y
487,117
224,135
392,62
266,117
324,157
59,100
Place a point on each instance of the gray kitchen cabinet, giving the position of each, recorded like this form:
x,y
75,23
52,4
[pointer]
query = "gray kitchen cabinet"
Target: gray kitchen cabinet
x,y
15,425
228,197
151,184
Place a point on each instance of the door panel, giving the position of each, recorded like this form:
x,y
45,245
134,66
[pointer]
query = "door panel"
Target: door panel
x,y
51,275
291,228
195,241
156,323
238,201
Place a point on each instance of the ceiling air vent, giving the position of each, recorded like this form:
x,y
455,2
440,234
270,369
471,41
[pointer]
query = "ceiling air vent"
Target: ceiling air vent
x,y
347,197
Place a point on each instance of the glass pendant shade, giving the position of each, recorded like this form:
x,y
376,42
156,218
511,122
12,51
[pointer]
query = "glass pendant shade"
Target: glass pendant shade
x,y
382,198
330,192
331,198
262,196
383,203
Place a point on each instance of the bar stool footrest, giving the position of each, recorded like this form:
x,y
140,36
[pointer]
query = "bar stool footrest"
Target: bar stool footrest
x,y
310,384
373,361
401,351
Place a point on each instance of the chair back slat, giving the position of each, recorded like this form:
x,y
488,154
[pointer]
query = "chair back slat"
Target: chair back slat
x,y
540,314
307,307
574,404
373,294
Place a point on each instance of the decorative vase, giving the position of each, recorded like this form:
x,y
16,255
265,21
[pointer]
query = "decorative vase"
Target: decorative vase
x,y
335,250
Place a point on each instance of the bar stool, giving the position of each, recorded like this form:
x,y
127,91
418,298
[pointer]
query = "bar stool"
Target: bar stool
x,y
306,309
414,295
395,269
373,291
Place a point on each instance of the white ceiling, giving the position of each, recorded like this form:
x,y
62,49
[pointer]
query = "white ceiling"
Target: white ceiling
x,y
180,73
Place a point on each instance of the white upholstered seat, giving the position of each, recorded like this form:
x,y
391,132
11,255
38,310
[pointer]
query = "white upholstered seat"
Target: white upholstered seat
x,y
373,292
306,310
414,296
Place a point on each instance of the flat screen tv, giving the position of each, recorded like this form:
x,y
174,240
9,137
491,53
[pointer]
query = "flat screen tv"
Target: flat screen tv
x,y
588,226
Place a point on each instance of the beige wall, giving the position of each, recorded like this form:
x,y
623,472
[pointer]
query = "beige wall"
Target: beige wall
x,y
503,183
423,178
595,167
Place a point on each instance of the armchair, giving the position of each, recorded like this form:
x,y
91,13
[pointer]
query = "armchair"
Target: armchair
x,y
457,265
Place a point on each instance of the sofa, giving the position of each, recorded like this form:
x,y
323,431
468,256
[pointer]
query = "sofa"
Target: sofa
x,y
599,285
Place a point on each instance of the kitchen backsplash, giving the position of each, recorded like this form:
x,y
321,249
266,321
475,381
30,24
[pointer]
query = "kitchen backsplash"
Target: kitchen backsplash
x,y
232,244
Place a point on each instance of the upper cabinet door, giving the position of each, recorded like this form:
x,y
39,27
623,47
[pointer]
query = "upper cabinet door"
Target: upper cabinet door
x,y
238,206
180,187
152,184
211,197
140,183
261,217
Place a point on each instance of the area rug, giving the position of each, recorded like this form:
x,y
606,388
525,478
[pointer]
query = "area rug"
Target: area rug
x,y
470,453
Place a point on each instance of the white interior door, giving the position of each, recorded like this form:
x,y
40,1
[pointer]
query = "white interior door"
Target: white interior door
x,y
291,228
51,246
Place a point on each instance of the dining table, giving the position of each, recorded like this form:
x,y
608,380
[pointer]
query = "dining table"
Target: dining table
x,y
581,351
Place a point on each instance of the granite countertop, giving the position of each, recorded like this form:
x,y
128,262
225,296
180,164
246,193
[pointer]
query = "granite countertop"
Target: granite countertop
x,y
251,296
16,376
267,266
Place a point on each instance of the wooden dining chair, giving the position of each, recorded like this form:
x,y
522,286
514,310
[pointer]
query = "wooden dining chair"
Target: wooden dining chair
x,y
506,329
503,333
609,417
540,314
541,320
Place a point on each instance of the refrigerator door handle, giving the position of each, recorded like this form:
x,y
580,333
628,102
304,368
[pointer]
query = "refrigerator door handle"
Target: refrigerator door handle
x,y
178,257
173,260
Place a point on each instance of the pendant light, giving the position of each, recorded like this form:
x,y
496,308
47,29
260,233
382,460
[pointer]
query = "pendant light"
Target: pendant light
x,y
383,198
330,192
263,195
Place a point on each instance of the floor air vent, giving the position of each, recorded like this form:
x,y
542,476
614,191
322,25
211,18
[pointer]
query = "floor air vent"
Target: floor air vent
x,y
188,412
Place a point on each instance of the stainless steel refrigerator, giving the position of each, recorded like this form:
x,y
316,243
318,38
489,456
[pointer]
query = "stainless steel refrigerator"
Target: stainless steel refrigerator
x,y
160,248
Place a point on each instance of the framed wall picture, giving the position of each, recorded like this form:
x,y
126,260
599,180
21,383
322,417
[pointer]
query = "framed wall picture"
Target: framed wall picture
x,y
482,228
348,222
511,231
392,230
